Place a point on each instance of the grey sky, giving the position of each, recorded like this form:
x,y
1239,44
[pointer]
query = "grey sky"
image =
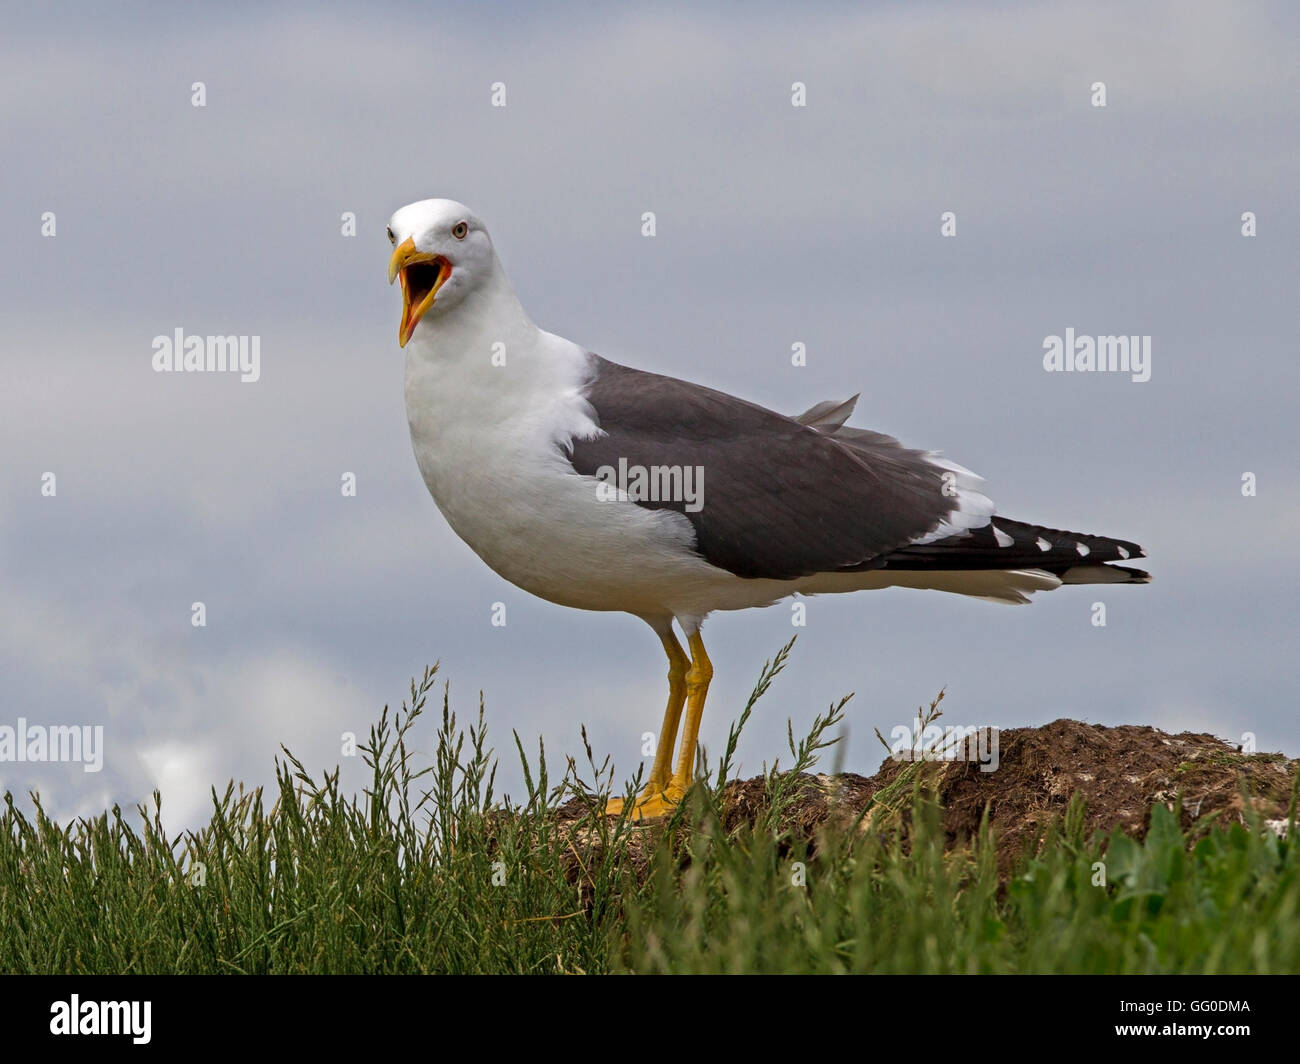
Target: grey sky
x,y
775,225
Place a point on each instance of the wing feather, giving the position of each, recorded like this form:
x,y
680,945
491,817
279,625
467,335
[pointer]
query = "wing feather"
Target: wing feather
x,y
781,499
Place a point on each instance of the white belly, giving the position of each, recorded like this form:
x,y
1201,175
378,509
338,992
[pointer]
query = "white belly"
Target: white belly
x,y
486,446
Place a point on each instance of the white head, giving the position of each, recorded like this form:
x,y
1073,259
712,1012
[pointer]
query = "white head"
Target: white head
x,y
443,254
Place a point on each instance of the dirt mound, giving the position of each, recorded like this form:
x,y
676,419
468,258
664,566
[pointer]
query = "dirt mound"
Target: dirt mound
x,y
1120,773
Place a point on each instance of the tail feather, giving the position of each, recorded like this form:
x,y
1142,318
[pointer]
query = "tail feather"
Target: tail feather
x,y
1105,574
1075,557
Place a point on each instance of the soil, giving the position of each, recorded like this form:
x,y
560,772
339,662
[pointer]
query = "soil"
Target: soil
x,y
1120,772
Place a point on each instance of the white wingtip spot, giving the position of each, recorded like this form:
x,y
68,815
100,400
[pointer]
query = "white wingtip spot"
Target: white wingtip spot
x,y
1122,552
1003,539
1082,549
1042,544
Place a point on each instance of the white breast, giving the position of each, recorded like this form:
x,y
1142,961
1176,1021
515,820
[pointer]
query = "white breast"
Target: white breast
x,y
489,439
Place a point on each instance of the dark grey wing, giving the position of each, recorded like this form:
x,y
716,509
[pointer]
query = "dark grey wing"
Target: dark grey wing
x,y
781,499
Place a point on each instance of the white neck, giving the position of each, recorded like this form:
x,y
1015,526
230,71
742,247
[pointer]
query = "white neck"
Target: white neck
x,y
483,362
489,313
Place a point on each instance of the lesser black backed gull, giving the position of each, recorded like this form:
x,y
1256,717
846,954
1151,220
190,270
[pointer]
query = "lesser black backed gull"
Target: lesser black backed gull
x,y
602,487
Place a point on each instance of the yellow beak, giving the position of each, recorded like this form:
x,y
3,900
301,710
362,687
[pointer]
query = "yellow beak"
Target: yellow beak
x,y
422,275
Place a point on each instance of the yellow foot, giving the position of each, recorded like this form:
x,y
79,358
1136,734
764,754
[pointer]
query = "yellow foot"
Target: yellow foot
x,y
654,801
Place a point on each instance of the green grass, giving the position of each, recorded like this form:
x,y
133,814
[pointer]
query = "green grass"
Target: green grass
x,y
428,872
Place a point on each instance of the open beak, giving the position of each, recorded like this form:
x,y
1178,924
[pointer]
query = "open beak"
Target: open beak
x,y
422,275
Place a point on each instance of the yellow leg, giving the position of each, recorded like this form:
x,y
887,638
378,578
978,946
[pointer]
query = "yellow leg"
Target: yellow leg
x,y
677,665
664,797
697,689
659,771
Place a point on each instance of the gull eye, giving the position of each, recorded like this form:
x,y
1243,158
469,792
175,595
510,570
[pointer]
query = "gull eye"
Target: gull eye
x,y
459,230
391,239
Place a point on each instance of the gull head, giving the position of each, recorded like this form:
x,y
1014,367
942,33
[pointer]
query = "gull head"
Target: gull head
x,y
441,253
